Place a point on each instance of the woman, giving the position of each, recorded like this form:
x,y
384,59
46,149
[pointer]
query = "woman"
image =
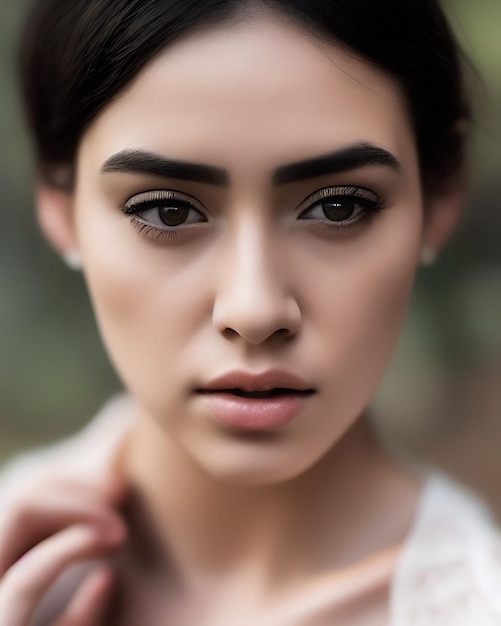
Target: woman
x,y
248,188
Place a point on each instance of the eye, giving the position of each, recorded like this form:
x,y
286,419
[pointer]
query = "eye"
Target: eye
x,y
163,210
341,206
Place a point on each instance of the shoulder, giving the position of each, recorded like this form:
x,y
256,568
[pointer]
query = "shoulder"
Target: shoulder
x,y
450,570
84,454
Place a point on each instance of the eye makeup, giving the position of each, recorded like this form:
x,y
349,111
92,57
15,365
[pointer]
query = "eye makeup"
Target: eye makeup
x,y
338,209
166,214
163,214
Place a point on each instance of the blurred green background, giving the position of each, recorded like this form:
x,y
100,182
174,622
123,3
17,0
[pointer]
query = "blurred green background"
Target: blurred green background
x,y
441,398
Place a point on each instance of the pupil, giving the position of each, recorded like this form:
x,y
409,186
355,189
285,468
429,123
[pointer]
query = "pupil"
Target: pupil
x,y
339,210
173,215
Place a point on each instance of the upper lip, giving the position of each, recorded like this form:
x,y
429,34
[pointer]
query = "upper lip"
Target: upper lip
x,y
263,381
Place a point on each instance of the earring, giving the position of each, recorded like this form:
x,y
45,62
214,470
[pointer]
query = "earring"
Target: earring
x,y
72,260
428,256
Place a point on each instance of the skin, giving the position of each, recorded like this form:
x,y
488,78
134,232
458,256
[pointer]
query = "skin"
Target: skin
x,y
175,314
262,526
55,523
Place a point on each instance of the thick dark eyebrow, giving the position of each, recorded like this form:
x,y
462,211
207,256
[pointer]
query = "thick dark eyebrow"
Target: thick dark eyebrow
x,y
144,162
349,158
355,156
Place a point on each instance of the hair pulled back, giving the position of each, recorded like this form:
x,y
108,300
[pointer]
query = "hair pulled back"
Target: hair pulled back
x,y
77,56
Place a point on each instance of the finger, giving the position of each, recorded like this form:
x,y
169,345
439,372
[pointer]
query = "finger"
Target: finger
x,y
90,603
45,512
26,582
114,489
115,485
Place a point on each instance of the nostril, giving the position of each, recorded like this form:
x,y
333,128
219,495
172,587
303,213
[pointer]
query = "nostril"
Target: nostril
x,y
229,333
256,321
283,332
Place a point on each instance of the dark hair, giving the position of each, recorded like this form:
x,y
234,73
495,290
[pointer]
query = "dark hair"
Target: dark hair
x,y
77,56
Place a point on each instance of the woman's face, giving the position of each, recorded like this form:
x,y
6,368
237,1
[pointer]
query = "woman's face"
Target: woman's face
x,y
251,204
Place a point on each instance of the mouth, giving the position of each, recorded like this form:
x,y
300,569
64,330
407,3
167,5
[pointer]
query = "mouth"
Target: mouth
x,y
269,383
276,392
246,401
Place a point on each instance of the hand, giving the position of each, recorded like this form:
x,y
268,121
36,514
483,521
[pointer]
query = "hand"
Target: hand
x,y
55,524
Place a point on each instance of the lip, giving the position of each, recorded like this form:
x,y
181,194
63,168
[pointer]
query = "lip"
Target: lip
x,y
258,413
263,381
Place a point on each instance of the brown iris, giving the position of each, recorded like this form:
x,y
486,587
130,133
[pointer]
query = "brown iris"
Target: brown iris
x,y
174,215
340,209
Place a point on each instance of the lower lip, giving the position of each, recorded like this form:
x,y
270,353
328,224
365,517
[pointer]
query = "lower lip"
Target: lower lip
x,y
254,413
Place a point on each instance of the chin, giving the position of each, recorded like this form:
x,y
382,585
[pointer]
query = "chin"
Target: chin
x,y
258,462
247,476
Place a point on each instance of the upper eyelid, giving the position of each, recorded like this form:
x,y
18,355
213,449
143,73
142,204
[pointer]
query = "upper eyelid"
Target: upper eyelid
x,y
133,204
339,190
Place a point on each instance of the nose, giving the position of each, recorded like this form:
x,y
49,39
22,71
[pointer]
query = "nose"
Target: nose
x,y
254,300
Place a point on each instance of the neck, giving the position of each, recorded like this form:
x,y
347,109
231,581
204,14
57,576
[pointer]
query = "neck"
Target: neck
x,y
331,517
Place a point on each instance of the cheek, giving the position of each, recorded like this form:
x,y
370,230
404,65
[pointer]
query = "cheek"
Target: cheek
x,y
363,309
148,303
356,307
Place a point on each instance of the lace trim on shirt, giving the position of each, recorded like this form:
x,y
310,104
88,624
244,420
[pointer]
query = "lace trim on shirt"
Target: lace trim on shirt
x,y
450,571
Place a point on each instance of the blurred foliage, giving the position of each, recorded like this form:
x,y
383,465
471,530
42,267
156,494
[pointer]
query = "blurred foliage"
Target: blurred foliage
x,y
441,395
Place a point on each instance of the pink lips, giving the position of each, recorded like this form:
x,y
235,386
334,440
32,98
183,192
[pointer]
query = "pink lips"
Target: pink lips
x,y
269,400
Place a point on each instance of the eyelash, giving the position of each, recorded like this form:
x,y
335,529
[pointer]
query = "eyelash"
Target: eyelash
x,y
151,200
369,204
152,232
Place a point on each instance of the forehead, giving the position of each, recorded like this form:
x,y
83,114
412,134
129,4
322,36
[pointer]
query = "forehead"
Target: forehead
x,y
253,95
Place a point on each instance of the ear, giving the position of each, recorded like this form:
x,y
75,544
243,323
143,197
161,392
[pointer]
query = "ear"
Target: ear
x,y
55,216
443,211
